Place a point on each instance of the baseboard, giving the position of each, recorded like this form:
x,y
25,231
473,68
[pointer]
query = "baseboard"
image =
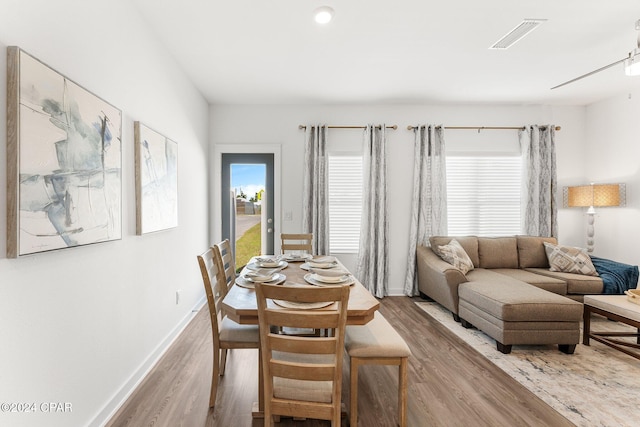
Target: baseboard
x,y
121,396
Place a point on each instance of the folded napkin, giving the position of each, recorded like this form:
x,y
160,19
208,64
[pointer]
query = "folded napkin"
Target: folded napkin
x,y
260,274
333,272
268,262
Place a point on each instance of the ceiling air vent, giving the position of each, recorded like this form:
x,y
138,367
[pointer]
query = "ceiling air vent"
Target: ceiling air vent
x,y
521,30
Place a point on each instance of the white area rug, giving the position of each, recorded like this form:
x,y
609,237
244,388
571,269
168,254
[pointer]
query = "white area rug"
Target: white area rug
x,y
595,386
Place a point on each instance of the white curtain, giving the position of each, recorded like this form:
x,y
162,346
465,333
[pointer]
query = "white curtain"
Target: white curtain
x,y
540,210
315,210
429,203
373,254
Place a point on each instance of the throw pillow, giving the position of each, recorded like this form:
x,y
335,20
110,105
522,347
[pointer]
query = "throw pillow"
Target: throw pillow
x,y
455,255
568,259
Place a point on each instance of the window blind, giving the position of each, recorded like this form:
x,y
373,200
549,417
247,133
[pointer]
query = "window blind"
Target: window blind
x,y
345,202
483,195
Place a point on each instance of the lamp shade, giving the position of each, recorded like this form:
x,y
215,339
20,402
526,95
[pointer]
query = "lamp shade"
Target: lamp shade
x,y
594,195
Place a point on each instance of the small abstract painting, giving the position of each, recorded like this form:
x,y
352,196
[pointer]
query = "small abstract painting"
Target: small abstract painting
x,y
64,161
156,161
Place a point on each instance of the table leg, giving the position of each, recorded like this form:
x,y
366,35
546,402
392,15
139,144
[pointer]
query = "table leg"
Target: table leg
x,y
586,324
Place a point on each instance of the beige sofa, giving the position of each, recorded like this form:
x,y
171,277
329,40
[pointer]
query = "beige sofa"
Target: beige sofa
x,y
516,259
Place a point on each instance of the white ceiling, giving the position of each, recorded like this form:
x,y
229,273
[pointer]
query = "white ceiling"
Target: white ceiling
x,y
401,51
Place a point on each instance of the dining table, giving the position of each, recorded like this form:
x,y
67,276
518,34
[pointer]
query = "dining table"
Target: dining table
x,y
241,306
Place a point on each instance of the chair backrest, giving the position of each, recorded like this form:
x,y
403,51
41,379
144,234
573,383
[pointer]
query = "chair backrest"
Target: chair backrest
x,y
300,242
224,263
214,289
302,374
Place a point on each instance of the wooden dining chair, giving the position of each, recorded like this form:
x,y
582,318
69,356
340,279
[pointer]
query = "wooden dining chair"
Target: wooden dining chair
x,y
296,242
227,334
302,374
224,263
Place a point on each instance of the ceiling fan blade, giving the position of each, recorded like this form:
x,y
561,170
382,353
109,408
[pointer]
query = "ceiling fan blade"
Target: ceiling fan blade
x,y
590,73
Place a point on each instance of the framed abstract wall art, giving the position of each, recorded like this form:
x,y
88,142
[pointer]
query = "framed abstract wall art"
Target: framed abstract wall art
x,y
156,166
64,161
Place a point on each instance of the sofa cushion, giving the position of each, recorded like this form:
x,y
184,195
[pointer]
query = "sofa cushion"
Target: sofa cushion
x,y
469,244
455,255
577,284
531,251
498,252
568,259
489,276
547,283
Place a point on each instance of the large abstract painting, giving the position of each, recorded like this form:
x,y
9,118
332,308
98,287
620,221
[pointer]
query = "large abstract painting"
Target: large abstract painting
x,y
156,161
64,157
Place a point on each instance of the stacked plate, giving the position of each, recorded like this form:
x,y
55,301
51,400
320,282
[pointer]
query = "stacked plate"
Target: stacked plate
x,y
329,277
322,262
263,262
293,257
261,275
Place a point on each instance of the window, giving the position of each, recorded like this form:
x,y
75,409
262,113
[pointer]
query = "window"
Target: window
x,y
345,202
483,195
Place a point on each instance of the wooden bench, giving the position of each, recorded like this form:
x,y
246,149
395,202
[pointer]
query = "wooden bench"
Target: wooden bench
x,y
377,343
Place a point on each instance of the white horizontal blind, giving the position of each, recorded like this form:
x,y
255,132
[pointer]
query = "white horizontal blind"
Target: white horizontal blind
x,y
345,202
483,195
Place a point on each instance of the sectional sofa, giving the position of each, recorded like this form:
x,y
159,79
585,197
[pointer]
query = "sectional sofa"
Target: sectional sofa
x,y
505,287
514,259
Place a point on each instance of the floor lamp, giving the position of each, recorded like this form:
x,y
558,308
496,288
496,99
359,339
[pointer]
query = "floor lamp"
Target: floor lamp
x,y
591,196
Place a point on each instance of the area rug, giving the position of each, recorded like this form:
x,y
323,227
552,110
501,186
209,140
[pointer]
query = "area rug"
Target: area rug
x,y
596,386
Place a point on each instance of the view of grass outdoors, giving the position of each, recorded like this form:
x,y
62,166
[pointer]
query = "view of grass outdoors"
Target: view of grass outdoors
x,y
248,180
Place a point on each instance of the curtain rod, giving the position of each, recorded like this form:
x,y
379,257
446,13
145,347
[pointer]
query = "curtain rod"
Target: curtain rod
x,y
479,128
394,127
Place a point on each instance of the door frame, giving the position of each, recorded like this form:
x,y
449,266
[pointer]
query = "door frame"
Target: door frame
x,y
216,179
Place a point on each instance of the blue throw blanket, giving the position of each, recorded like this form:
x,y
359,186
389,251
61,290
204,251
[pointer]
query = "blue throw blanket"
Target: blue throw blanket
x,y
617,277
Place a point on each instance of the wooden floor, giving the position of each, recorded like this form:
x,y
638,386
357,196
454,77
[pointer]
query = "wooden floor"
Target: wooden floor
x,y
450,384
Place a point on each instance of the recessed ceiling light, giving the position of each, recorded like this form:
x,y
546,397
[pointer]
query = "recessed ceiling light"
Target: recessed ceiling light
x,y
323,14
521,30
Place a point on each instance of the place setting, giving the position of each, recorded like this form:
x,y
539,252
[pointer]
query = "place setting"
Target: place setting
x,y
273,262
320,262
250,277
296,257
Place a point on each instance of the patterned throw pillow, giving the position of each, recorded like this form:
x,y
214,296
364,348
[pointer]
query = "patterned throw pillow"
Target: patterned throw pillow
x,y
568,259
455,255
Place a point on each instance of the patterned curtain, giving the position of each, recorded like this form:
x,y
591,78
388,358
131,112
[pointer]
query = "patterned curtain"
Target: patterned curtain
x,y
315,213
540,207
373,259
429,204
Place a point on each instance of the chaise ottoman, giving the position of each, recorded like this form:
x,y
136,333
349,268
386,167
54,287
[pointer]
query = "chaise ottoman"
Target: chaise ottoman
x,y
519,313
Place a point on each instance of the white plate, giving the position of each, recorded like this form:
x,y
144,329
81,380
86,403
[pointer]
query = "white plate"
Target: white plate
x,y
309,278
322,264
256,265
335,280
302,305
245,283
307,266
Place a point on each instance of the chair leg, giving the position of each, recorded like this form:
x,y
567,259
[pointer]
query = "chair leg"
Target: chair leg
x,y
223,361
214,377
260,380
353,392
402,392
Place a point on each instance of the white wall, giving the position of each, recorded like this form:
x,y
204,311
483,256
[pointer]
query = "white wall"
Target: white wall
x,y
81,325
613,156
237,124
